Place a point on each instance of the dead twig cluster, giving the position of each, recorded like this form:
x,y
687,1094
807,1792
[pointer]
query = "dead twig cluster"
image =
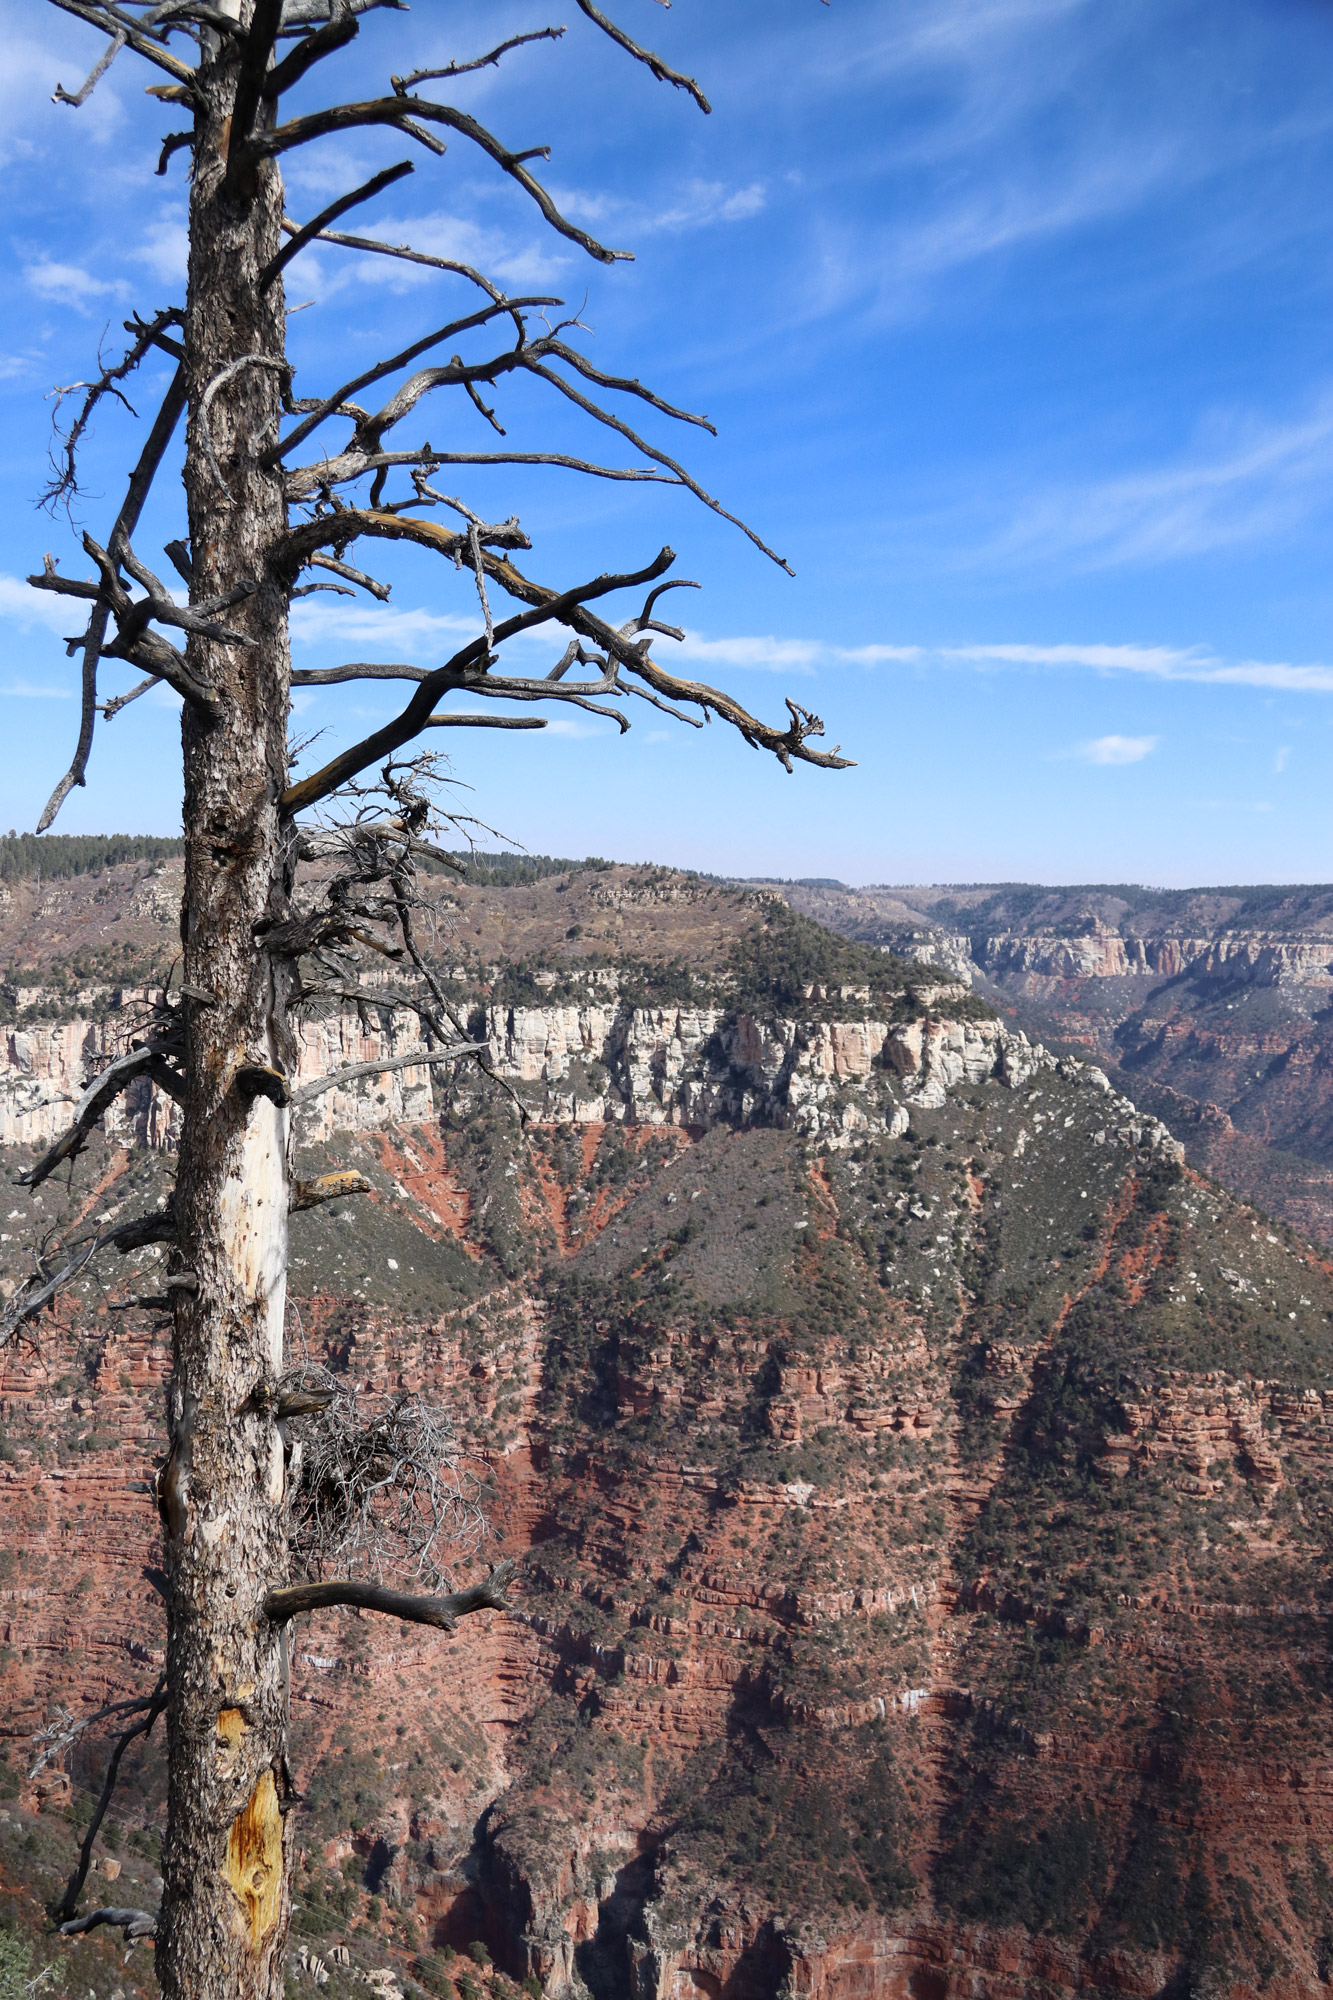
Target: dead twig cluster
x,y
381,1487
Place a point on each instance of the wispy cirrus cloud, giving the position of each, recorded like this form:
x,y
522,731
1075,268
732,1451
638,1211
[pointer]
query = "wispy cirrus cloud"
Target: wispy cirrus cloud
x,y
1244,481
703,203
688,205
1163,663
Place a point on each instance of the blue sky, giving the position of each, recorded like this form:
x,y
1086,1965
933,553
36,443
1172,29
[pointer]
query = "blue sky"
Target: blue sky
x,y
1016,320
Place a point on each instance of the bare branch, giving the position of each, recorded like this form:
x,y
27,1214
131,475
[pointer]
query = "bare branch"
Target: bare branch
x,y
335,34
61,96
140,481
133,641
616,423
102,1092
331,214
58,1736
381,422
630,384
119,701
378,1487
404,112
110,23
146,335
175,142
495,721
455,672
467,670
74,1889
134,1923
298,14
363,454
352,465
401,83
370,583
341,840
442,1612
186,15
662,71
407,253
359,670
37,1292
310,1091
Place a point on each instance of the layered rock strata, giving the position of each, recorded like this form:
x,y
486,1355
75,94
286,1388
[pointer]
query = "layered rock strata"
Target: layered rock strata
x,y
924,1485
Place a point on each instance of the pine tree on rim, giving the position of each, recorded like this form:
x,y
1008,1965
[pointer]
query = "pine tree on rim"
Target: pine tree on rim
x,y
282,488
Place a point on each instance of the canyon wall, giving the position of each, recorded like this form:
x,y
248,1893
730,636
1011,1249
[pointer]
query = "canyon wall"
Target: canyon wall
x,y
922,1479
1212,1008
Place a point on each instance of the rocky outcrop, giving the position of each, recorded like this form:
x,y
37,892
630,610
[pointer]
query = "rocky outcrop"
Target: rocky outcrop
x,y
699,1068
1236,958
45,1066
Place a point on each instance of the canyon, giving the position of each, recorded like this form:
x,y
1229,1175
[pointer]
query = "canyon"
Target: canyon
x,y
918,1459
1213,1008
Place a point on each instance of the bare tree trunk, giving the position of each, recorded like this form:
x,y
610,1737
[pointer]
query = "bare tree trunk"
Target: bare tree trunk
x,y
226,1899
228,1049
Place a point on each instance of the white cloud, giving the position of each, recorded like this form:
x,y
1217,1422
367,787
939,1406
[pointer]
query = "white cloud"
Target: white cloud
x,y
1281,756
779,655
520,266
70,284
878,656
25,690
531,265
1013,213
164,248
567,725
27,607
1115,749
320,620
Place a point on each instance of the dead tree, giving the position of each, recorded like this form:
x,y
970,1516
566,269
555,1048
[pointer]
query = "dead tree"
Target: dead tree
x,y
282,487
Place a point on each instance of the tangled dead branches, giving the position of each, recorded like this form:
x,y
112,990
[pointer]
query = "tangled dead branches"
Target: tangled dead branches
x,y
381,1486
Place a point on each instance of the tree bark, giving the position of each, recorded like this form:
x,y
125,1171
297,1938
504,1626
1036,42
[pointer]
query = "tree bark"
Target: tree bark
x,y
226,1901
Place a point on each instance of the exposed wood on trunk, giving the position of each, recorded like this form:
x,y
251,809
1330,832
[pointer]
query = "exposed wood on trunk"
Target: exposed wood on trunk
x,y
253,1867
